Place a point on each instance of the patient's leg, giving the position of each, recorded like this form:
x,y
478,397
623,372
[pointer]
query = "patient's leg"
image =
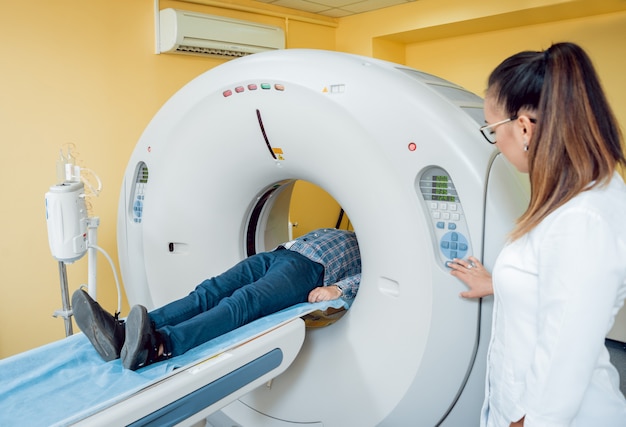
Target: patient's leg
x,y
287,282
211,291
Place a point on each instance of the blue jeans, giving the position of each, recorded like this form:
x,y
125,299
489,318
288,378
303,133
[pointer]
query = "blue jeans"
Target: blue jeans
x,y
257,286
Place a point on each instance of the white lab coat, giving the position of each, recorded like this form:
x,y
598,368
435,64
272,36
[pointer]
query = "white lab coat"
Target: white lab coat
x,y
556,293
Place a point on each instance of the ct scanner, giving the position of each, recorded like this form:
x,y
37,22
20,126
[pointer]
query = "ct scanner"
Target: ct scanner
x,y
209,183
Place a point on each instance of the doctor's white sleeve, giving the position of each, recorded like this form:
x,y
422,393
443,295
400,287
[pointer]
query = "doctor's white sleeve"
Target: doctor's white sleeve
x,y
580,271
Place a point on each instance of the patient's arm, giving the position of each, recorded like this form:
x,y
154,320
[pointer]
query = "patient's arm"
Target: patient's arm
x,y
324,293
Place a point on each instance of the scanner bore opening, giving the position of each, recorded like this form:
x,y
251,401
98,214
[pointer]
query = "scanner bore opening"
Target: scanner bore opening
x,y
289,209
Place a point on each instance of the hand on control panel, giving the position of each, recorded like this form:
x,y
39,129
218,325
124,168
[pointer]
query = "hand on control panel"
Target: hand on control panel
x,y
474,275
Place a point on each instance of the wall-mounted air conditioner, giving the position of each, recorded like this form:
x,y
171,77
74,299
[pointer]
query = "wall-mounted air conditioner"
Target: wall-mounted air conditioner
x,y
207,35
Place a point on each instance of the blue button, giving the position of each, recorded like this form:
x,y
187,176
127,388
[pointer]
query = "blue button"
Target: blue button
x,y
441,224
453,245
451,226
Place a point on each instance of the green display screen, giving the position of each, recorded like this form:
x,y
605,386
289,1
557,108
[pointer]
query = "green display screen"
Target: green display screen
x,y
143,175
440,189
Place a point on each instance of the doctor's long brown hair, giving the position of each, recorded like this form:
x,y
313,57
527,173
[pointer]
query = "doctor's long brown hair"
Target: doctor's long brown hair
x,y
577,143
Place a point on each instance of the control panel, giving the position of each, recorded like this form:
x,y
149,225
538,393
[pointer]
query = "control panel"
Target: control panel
x,y
139,189
445,210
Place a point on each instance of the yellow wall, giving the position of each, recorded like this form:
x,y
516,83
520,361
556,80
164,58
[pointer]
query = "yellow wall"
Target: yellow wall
x,y
469,59
85,72
312,208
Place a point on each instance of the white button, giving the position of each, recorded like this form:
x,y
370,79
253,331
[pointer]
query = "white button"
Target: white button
x,y
436,215
452,206
444,206
433,205
456,217
445,215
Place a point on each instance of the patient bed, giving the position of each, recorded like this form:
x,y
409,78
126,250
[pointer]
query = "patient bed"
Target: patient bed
x,y
67,383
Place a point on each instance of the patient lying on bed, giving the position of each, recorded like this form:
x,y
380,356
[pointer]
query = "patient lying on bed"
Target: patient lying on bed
x,y
322,265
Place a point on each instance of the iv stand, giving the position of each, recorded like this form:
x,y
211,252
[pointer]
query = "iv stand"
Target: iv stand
x,y
71,233
66,312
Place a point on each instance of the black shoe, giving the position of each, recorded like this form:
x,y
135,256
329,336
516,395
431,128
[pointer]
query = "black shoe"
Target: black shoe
x,y
105,331
141,347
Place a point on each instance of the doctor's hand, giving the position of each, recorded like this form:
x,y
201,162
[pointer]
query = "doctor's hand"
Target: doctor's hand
x,y
324,293
474,275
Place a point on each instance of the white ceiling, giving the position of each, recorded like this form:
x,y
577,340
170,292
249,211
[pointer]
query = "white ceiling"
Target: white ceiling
x,y
336,8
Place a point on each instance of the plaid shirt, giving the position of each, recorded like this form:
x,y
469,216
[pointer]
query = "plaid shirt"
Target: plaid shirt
x,y
338,252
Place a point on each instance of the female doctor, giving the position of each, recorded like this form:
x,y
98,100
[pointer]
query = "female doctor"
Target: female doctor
x,y
561,278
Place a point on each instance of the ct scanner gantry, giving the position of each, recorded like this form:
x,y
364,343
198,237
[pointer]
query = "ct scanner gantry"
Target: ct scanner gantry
x,y
209,183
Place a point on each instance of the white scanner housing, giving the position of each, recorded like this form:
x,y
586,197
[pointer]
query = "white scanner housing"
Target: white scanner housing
x,y
209,184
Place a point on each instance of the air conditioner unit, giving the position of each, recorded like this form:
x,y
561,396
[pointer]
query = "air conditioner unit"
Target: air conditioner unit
x,y
195,33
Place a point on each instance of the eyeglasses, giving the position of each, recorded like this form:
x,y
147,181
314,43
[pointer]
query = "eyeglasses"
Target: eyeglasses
x,y
489,131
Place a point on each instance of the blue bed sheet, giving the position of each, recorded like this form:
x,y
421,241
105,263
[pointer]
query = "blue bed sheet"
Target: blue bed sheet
x,y
65,381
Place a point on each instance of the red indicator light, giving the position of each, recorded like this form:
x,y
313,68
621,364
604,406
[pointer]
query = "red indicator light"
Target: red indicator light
x,y
252,86
227,93
412,146
239,89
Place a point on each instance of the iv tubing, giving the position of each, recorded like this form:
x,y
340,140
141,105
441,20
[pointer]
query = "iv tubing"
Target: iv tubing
x,y
92,238
117,282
